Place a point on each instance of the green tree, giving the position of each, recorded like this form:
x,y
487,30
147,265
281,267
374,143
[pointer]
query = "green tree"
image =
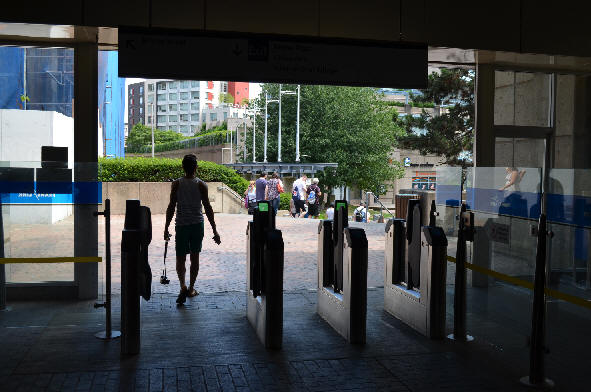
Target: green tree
x,y
451,133
346,125
226,98
141,135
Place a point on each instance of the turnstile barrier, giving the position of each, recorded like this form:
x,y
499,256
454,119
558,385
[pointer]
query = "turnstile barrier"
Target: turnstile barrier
x,y
265,276
415,263
136,276
342,275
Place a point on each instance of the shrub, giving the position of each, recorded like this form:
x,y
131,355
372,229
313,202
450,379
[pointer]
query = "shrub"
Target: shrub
x,y
284,199
165,169
212,138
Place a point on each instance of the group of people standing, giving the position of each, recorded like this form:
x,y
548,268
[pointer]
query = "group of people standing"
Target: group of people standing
x,y
271,189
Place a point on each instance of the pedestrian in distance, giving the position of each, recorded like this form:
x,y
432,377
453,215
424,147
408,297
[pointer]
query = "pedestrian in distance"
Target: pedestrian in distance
x,y
187,195
330,212
250,197
273,191
361,214
299,194
313,199
261,186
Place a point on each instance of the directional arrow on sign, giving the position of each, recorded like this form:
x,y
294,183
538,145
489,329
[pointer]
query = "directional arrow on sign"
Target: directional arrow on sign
x,y
237,51
130,44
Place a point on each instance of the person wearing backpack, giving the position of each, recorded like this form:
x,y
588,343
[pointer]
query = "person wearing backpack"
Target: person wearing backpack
x,y
361,214
313,199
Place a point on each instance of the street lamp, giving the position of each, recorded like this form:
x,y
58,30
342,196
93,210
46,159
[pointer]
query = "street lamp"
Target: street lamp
x,y
279,137
153,121
267,102
255,111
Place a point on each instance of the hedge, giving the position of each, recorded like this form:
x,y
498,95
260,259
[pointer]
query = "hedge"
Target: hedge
x,y
284,199
165,169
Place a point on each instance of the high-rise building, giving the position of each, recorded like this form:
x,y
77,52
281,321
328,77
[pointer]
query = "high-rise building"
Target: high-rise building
x,y
238,91
135,104
182,105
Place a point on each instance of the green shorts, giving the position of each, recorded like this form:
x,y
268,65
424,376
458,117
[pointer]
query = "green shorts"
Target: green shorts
x,y
188,239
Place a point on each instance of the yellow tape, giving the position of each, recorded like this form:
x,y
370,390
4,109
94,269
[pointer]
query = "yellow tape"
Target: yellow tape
x,y
20,260
573,299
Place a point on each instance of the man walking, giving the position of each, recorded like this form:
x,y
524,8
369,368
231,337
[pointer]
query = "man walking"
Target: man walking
x,y
299,194
261,186
187,194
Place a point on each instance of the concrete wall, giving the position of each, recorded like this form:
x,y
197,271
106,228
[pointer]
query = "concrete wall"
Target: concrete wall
x,y
156,196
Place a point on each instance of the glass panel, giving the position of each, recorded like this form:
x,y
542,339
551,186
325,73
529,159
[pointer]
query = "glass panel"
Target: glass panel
x,y
447,199
37,201
172,108
194,94
172,96
161,97
194,83
195,117
194,107
184,95
184,107
173,118
173,85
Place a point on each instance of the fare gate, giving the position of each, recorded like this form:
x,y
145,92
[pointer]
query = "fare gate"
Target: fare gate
x,y
342,275
264,269
414,283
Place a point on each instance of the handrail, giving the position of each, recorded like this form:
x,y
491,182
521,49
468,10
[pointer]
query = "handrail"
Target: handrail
x,y
232,192
375,198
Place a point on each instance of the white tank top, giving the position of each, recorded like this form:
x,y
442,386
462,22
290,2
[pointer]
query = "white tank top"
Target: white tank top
x,y
188,202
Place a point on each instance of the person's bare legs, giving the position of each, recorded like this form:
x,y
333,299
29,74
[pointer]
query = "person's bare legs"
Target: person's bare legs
x,y
180,270
193,272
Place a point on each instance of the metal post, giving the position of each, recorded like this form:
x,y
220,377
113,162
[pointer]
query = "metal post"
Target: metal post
x,y
108,333
254,128
460,284
153,108
537,377
231,147
244,141
298,128
279,134
266,118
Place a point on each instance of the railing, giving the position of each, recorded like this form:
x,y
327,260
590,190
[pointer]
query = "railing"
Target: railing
x,y
231,192
376,199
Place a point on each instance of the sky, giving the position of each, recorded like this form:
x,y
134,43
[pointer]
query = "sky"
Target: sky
x,y
254,89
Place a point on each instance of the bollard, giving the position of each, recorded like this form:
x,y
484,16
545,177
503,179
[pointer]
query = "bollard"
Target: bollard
x,y
108,333
341,221
465,233
130,297
537,377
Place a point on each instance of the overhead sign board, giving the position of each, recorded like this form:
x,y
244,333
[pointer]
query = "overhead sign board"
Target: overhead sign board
x,y
157,53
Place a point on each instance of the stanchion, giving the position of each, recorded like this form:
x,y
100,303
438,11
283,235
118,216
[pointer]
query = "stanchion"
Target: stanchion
x,y
464,234
108,333
537,377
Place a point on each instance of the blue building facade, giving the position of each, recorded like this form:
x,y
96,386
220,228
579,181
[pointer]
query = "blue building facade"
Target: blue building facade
x,y
111,101
43,79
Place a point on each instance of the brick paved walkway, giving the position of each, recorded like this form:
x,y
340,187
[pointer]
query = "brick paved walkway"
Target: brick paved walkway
x,y
208,345
222,268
